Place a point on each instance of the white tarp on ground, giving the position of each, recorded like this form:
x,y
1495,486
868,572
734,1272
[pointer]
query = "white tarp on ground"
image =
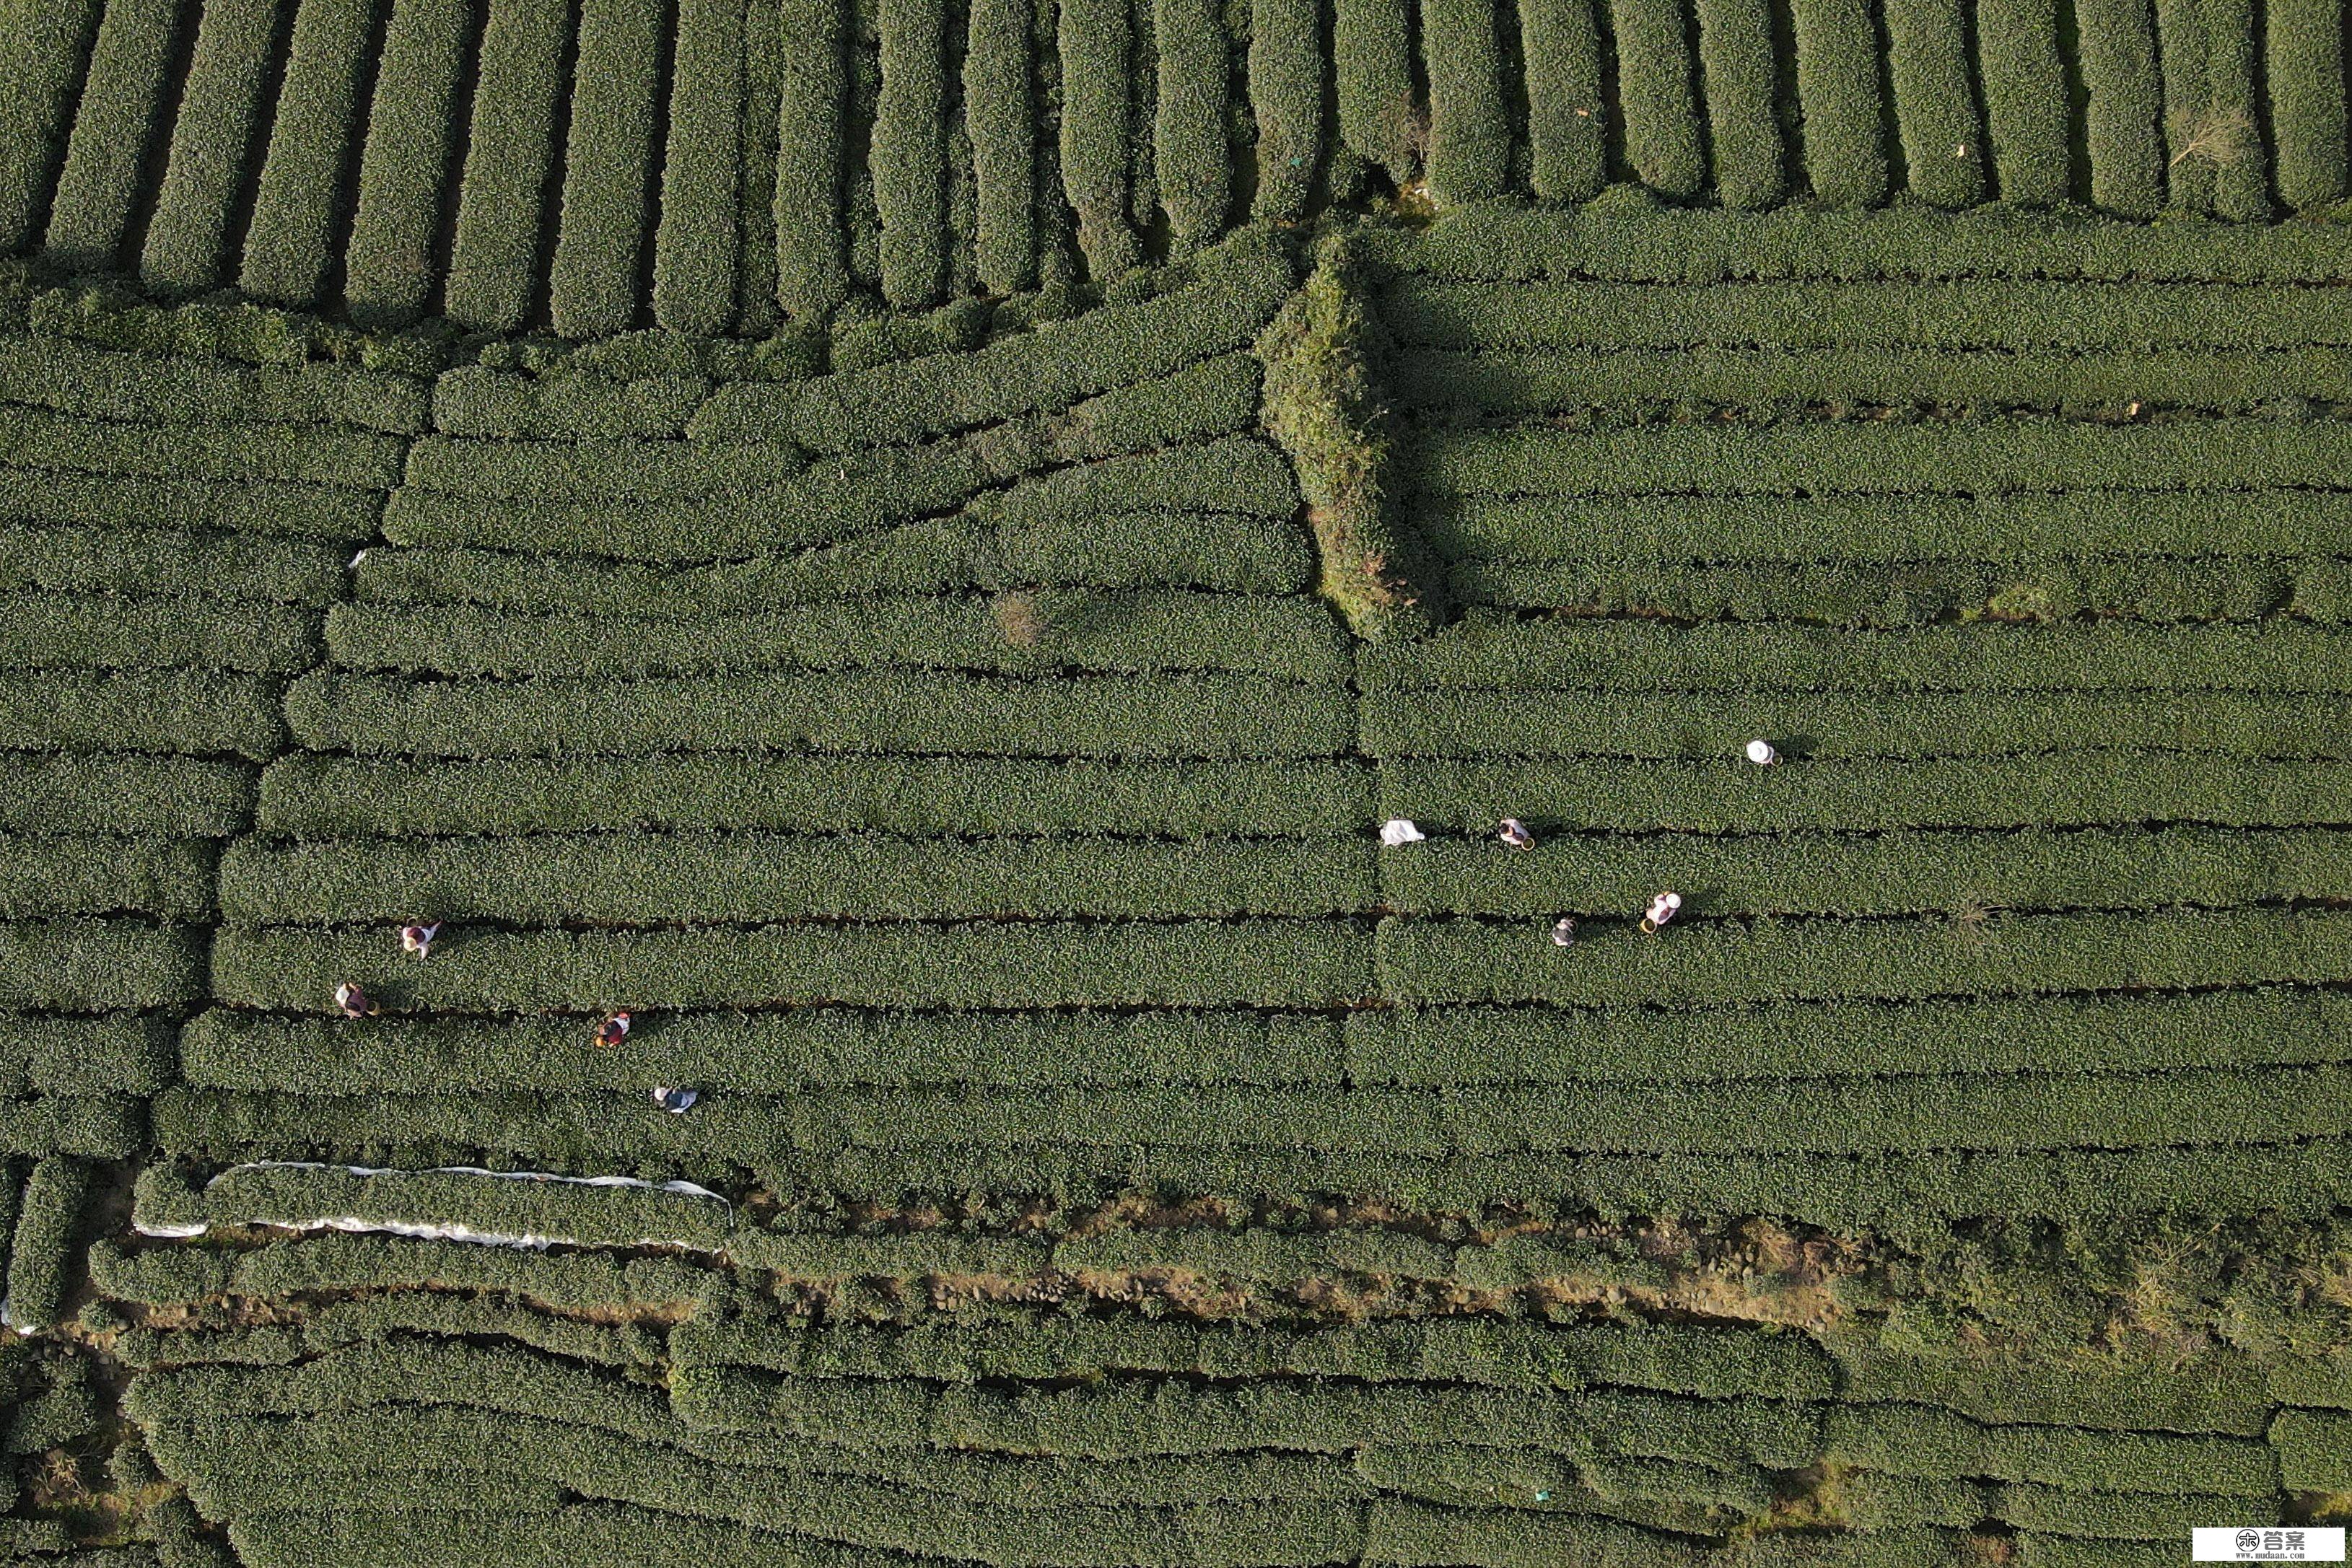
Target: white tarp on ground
x,y
432,1230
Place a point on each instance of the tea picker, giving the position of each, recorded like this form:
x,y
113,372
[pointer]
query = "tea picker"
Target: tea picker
x,y
677,1102
1398,831
1663,908
1515,833
355,1002
418,939
1761,753
1563,931
613,1030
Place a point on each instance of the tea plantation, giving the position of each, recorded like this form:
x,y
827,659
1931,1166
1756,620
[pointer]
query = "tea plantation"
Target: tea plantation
x,y
933,615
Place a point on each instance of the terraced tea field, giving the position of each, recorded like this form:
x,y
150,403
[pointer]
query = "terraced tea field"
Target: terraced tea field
x,y
922,555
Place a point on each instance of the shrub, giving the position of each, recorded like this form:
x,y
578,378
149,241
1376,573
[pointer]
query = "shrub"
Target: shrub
x,y
909,153
1935,102
289,245
2305,70
2025,100
2125,111
1738,59
123,794
42,1264
1656,95
820,1049
697,246
1469,133
389,265
999,115
1266,963
2230,138
1373,77
192,711
80,875
1837,82
591,279
1292,638
42,53
2046,1036
345,797
739,877
1194,715
1285,90
1094,37
121,108
103,385
812,274
212,140
510,153
1190,157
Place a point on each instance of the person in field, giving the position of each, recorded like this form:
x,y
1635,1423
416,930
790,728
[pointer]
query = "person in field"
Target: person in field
x,y
1663,908
1563,931
354,1002
1399,831
1515,833
613,1030
1761,753
677,1102
418,939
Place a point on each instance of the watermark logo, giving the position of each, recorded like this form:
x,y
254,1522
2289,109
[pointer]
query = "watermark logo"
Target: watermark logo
x,y
2267,1543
